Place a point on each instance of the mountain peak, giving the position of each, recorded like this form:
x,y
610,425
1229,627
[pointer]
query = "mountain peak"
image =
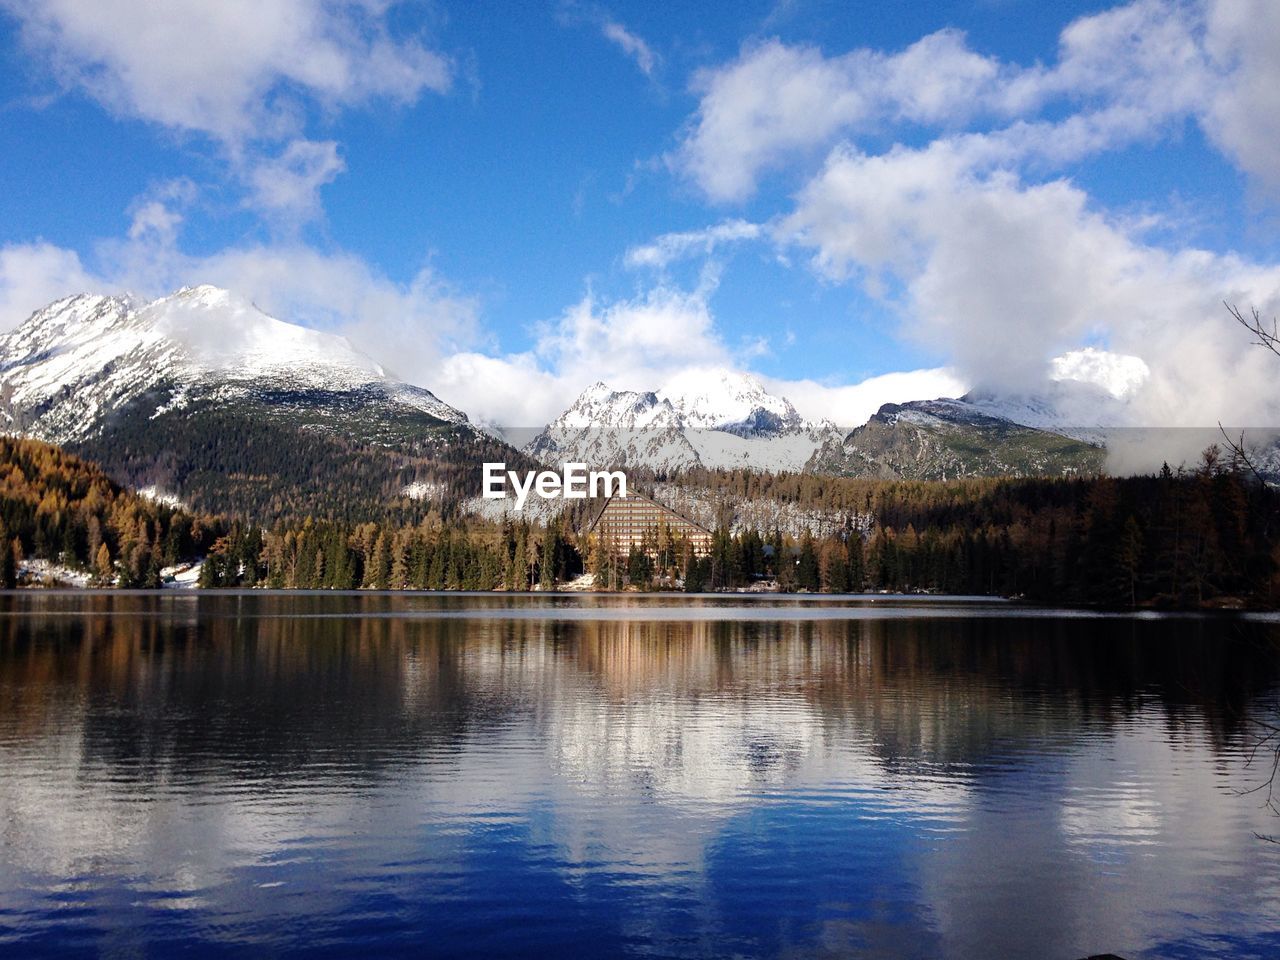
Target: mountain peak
x,y
81,357
708,417
200,291
716,398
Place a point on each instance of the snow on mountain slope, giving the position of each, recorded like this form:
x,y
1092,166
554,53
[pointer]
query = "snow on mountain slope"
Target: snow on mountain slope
x,y
81,358
607,427
228,336
719,399
623,409
946,439
713,418
1074,409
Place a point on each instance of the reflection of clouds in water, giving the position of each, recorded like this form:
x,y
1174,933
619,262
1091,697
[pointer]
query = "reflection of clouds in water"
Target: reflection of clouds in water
x,y
629,755
79,831
709,750
1098,817
1144,821
57,821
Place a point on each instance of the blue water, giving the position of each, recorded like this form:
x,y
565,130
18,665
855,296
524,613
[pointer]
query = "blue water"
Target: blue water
x,y
250,775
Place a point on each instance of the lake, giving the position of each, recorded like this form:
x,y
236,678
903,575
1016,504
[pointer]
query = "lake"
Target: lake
x,y
259,774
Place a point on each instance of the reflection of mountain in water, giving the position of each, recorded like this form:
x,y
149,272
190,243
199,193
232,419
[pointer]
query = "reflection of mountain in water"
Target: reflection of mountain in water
x,y
701,707
258,759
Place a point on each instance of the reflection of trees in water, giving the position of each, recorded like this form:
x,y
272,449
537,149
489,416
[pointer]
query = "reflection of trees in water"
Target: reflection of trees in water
x,y
254,695
949,691
270,684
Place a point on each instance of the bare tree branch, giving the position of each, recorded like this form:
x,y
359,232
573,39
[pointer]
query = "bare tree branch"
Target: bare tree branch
x,y
1269,737
1238,451
1263,336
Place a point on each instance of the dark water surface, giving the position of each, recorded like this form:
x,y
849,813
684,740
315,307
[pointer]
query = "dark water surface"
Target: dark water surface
x,y
419,775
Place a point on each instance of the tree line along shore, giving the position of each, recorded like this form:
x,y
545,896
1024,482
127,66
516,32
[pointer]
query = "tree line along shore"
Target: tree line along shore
x,y
1179,539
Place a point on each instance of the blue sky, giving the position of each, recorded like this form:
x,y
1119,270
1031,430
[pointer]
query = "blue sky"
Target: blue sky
x,y
504,202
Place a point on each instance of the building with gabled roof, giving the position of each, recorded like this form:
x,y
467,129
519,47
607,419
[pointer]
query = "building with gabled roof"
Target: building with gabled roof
x,y
634,520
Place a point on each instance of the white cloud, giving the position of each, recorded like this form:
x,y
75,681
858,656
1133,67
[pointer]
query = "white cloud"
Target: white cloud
x,y
754,113
633,344
1011,276
33,275
511,391
1120,375
1148,54
1004,276
776,101
288,186
663,336
244,73
158,214
630,44
849,405
232,69
154,217
1122,75
938,79
639,345
670,247
1244,118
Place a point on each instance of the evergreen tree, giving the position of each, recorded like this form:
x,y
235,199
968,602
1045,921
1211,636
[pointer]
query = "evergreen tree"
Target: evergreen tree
x,y
8,562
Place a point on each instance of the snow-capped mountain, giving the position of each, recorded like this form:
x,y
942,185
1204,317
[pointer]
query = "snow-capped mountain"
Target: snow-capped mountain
x,y
1083,411
718,399
605,427
82,359
202,397
712,418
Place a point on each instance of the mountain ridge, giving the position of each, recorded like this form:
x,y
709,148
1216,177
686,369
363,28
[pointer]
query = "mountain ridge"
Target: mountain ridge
x,y
73,362
203,395
947,439
728,421
199,388
717,418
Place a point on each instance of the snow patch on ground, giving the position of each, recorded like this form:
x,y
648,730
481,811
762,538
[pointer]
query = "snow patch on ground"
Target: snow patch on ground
x,y
182,576
154,493
536,509
422,490
45,573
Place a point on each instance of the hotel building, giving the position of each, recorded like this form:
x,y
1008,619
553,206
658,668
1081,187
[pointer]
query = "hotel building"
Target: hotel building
x,y
627,521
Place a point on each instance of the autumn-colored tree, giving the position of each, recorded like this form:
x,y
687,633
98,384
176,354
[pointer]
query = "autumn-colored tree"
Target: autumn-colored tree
x,y
102,566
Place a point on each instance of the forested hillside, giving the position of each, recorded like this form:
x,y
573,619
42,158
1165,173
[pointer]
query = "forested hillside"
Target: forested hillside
x,y
58,507
1187,539
263,463
1206,537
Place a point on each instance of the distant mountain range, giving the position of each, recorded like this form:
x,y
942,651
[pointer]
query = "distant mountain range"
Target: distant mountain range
x,y
202,397
729,420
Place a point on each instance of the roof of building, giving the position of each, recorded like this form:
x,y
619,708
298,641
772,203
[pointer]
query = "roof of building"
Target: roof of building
x,y
683,520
